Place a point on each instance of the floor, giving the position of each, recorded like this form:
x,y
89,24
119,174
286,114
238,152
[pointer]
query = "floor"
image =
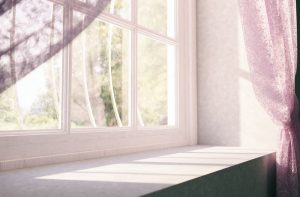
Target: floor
x,y
129,175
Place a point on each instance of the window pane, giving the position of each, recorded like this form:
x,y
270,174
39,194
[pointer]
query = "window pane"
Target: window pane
x,y
100,58
31,98
157,15
119,8
156,81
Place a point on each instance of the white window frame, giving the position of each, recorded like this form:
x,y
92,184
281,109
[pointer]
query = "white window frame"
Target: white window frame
x,y
134,28
132,138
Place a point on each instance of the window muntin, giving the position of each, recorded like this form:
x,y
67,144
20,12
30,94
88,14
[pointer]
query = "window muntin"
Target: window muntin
x,y
131,86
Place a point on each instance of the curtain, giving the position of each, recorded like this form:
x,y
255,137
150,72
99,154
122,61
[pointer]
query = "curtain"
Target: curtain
x,y
33,31
270,35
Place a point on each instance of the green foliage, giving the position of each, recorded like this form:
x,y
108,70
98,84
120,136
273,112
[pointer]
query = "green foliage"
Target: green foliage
x,y
7,112
117,81
40,120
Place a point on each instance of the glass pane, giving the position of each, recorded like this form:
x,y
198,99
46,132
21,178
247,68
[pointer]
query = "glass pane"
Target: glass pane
x,y
156,83
30,95
157,15
100,58
119,8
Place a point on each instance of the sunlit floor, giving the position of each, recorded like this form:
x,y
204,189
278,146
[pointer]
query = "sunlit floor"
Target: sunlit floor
x,y
130,175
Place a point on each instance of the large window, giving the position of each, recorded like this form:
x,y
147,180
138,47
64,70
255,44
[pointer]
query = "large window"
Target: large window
x,y
120,67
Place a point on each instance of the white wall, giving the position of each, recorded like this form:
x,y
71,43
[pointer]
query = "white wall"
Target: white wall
x,y
228,112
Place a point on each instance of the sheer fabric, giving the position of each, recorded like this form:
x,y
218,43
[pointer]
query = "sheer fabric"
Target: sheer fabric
x,y
32,31
271,43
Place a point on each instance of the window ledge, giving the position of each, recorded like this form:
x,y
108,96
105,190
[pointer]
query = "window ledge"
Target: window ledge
x,y
171,172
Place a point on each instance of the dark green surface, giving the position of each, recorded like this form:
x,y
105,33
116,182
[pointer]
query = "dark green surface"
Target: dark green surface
x,y
254,178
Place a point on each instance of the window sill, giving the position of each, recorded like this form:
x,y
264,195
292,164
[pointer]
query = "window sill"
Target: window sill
x,y
145,173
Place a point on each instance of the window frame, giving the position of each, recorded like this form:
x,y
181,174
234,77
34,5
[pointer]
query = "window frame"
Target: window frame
x,y
135,29
185,89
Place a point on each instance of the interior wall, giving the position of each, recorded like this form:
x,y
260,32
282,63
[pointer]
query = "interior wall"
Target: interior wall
x,y
228,111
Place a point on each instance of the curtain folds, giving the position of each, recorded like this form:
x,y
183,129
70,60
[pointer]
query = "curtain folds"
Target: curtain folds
x,y
25,45
270,32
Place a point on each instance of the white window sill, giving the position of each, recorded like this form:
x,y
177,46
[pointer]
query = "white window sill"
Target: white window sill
x,y
127,175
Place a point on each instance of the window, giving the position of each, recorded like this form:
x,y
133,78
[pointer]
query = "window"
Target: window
x,y
78,84
122,68
129,69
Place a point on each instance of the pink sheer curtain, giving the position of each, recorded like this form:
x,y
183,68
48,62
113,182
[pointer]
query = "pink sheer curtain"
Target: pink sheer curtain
x,y
271,42
33,31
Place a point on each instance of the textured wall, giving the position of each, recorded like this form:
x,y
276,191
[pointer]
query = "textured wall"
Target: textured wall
x,y
228,112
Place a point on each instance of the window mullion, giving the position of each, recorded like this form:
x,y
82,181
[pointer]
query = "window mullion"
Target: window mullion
x,y
133,72
66,83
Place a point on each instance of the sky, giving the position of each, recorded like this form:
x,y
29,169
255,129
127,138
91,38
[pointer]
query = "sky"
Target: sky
x,y
31,87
